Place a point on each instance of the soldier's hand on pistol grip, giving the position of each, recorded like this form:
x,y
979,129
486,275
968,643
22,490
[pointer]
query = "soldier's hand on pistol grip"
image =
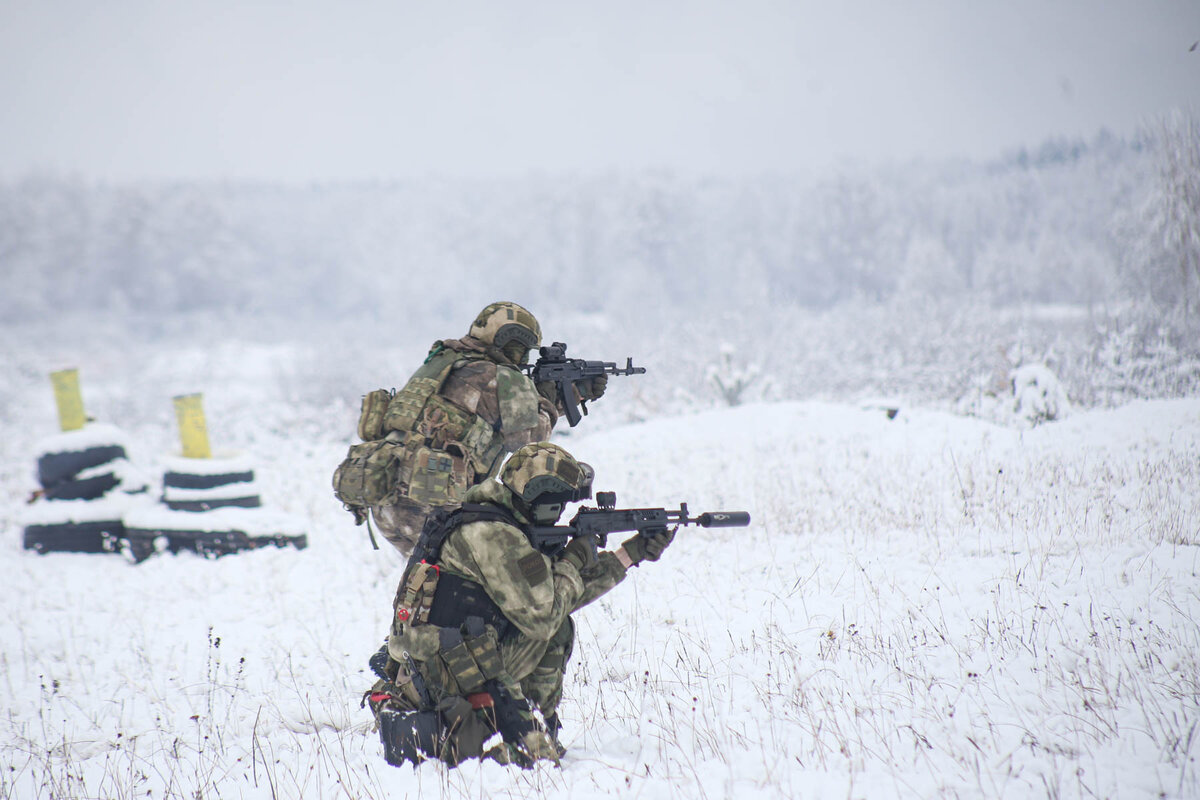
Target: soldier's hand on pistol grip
x,y
641,548
580,551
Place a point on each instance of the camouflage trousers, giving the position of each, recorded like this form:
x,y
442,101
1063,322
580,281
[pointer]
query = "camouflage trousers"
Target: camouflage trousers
x,y
401,523
537,666
453,732
544,684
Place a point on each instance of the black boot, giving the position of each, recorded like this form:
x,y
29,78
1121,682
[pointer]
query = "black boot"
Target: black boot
x,y
553,726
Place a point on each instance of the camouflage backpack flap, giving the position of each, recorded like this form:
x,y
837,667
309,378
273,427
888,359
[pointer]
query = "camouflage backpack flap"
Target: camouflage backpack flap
x,y
448,427
369,474
434,477
370,418
405,408
518,400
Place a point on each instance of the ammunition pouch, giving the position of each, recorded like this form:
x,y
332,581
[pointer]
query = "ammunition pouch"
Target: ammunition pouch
x,y
470,656
370,418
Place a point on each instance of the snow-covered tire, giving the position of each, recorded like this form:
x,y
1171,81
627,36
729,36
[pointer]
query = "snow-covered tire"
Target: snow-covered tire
x,y
137,548
254,501
185,480
85,489
75,537
54,468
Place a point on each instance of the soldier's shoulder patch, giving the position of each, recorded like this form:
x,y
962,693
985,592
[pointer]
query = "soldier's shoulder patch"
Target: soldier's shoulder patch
x,y
533,567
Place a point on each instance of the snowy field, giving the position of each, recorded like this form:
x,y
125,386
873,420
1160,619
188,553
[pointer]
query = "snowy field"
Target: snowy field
x,y
925,606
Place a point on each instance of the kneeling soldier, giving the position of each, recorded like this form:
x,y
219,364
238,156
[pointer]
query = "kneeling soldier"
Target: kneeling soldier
x,y
481,631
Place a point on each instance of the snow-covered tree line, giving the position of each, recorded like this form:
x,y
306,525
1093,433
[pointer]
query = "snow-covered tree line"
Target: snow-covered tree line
x,y
915,280
1073,222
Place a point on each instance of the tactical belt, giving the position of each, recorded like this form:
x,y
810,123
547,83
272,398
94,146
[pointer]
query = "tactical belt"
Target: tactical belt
x,y
457,598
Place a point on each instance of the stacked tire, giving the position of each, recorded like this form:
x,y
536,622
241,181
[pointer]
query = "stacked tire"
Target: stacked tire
x,y
86,482
211,507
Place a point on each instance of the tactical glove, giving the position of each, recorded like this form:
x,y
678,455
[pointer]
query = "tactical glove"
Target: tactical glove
x,y
580,551
593,388
640,548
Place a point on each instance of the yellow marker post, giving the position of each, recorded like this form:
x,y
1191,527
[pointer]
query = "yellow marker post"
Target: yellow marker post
x,y
69,399
193,430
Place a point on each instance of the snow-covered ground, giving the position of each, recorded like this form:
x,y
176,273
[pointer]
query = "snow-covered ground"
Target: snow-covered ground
x,y
924,606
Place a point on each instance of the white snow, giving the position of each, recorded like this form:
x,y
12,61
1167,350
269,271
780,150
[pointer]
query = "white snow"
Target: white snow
x,y
928,606
113,506
93,434
221,464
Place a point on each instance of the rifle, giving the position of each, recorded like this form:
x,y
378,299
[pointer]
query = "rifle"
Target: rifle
x,y
606,519
553,365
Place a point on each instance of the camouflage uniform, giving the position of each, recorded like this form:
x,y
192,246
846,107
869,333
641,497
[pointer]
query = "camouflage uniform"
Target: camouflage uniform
x,y
536,594
485,391
487,562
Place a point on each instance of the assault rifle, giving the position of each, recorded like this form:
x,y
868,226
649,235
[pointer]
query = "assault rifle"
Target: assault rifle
x,y
607,518
553,365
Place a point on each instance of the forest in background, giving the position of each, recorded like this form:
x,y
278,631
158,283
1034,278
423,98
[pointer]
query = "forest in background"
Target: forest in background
x,y
927,280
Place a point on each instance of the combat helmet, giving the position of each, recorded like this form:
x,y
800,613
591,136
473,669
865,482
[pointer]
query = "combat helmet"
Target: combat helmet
x,y
543,477
503,323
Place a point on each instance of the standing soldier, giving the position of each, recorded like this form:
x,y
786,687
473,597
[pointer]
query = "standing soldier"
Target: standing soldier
x,y
451,425
481,630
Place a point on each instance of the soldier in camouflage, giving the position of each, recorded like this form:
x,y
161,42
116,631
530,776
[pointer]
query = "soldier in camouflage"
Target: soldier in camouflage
x,y
481,614
469,404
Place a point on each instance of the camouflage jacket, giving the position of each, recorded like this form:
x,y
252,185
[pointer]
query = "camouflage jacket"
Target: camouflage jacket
x,y
490,386
534,592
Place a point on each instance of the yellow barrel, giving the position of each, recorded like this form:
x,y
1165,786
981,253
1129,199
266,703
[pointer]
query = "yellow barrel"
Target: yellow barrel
x,y
193,430
69,398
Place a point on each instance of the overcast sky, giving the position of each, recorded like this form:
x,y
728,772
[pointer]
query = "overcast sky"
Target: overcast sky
x,y
300,90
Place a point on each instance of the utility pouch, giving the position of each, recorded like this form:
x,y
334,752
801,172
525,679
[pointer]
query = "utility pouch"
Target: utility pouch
x,y
369,474
435,478
370,418
415,598
464,732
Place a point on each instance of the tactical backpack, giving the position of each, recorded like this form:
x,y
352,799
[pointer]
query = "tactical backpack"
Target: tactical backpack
x,y
417,446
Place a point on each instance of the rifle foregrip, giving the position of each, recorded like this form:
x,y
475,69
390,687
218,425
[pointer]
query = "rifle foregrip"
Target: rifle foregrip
x,y
724,519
